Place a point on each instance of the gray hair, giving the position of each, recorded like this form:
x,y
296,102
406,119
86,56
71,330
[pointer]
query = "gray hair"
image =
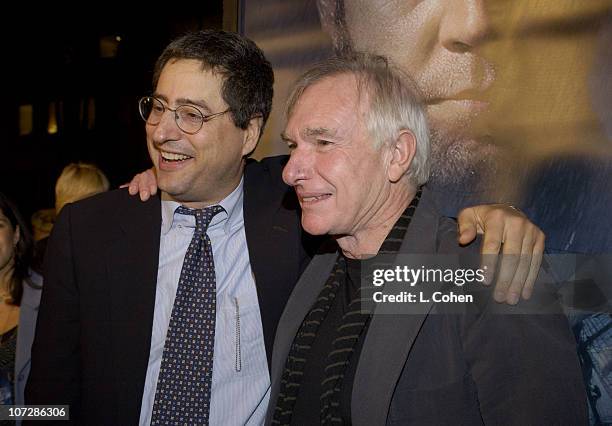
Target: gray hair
x,y
394,103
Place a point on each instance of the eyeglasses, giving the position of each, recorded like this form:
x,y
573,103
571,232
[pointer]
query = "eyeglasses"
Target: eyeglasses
x,y
188,118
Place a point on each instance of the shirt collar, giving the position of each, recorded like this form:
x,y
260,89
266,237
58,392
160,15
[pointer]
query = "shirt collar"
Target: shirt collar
x,y
232,204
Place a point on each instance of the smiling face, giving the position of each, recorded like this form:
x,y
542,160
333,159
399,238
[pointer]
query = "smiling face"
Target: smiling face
x,y
436,42
9,236
203,168
338,175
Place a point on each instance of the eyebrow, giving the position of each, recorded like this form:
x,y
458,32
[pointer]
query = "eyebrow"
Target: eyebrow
x,y
182,101
318,131
310,132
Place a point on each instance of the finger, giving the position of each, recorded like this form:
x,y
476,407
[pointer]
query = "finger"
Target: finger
x,y
144,194
467,226
148,182
536,261
524,260
491,245
509,262
133,187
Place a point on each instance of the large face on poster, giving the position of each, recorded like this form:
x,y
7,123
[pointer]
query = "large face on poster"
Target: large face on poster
x,y
509,86
439,44
494,74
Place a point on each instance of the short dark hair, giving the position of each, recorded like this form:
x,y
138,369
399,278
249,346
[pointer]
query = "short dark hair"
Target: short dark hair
x,y
248,76
23,249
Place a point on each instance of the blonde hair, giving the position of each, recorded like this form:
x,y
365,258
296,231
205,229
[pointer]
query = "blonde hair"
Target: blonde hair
x,y
78,181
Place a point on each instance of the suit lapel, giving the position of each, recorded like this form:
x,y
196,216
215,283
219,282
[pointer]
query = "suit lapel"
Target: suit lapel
x,y
133,258
303,297
271,222
390,337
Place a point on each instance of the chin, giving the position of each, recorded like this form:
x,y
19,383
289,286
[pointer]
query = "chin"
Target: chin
x,y
165,186
314,226
463,161
175,190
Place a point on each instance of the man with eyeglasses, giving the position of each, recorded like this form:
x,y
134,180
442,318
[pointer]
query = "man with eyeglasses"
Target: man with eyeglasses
x,y
124,336
164,312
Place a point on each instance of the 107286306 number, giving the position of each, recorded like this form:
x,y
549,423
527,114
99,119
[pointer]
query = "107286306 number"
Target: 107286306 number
x,y
59,412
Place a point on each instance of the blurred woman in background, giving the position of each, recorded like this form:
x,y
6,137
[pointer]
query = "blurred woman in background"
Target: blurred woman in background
x,y
77,181
19,299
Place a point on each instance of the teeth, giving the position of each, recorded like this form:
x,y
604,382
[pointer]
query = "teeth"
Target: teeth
x,y
314,198
170,156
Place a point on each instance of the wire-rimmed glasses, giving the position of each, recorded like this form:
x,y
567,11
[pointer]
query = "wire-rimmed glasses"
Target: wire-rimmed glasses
x,y
188,118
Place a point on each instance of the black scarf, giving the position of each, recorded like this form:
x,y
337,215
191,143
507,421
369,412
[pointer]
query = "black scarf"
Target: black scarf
x,y
354,323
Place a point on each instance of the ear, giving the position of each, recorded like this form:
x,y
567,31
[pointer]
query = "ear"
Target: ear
x,y
251,135
402,153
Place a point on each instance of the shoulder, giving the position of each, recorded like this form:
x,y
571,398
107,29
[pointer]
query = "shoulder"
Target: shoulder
x,y
432,232
109,205
263,182
106,201
268,168
273,162
96,218
32,287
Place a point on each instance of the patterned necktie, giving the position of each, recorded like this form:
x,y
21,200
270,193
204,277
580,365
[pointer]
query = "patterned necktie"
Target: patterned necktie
x,y
185,376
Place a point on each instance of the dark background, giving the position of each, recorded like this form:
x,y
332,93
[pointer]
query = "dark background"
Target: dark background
x,y
53,57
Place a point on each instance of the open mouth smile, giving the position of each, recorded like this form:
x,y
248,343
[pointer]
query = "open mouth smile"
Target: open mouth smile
x,y
172,157
313,198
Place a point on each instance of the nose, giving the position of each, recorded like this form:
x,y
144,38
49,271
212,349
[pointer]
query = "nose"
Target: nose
x,y
465,25
165,130
298,168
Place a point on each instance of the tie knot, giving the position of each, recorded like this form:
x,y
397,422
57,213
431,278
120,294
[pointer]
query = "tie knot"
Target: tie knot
x,y
202,216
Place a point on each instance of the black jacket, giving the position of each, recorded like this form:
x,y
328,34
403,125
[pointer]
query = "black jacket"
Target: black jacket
x,y
93,335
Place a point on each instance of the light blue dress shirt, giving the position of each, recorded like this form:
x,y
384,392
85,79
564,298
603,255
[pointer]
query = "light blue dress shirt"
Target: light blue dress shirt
x,y
240,379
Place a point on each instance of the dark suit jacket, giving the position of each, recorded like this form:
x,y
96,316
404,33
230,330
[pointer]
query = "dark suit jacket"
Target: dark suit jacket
x,y
94,327
428,368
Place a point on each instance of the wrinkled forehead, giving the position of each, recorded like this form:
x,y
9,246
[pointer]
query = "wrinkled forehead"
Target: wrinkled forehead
x,y
185,81
331,110
333,102
341,89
